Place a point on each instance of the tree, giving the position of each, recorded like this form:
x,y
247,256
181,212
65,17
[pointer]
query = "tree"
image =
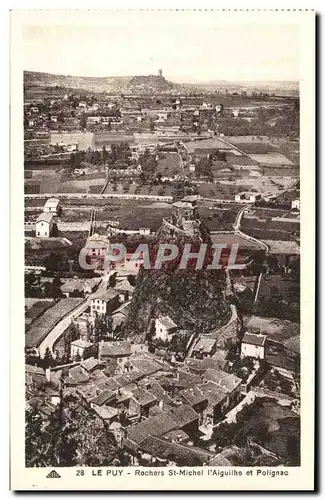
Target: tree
x,y
72,333
56,287
48,357
83,121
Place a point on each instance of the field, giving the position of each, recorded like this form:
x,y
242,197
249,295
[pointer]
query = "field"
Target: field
x,y
133,188
275,159
264,144
169,166
206,143
35,309
101,138
221,190
48,320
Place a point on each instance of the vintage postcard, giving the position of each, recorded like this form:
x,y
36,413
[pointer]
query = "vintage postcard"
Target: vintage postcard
x,y
162,250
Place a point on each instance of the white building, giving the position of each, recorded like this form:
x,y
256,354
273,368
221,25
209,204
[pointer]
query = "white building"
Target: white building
x,y
78,347
51,205
165,328
104,302
247,197
44,225
295,204
253,345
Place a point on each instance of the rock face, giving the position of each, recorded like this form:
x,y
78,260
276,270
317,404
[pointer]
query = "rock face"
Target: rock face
x,y
193,299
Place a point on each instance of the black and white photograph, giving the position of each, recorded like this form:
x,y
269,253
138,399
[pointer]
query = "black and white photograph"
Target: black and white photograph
x,y
162,171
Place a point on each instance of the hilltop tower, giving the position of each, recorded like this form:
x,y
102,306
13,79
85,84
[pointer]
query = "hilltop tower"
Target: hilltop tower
x,y
160,72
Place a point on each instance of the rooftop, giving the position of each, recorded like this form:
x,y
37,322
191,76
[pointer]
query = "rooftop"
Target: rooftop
x,y
193,395
227,381
254,339
51,202
106,412
175,452
214,392
114,349
83,344
45,217
167,322
105,295
183,415
143,397
205,345
153,426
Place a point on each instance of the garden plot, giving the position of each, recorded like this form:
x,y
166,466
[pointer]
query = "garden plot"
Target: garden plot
x,y
272,159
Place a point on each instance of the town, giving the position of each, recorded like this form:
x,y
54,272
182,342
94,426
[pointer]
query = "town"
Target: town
x,y
127,365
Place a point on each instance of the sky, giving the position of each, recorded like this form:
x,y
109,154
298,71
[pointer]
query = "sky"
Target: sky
x,y
186,48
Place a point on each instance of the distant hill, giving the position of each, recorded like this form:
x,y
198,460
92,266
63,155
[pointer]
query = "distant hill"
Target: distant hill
x,y
135,84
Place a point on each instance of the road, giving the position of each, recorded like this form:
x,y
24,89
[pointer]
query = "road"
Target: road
x,y
59,329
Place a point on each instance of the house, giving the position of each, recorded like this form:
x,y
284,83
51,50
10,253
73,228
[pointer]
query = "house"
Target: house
x,y
186,418
78,287
164,328
97,245
77,376
226,381
140,403
52,205
34,376
217,398
106,413
295,204
125,290
73,287
253,345
205,348
120,314
78,348
114,350
104,302
247,197
196,398
44,225
91,364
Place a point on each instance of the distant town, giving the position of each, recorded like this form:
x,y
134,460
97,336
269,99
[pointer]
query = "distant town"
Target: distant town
x,y
128,366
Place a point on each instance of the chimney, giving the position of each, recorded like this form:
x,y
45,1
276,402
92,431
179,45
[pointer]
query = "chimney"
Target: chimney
x,y
48,374
161,404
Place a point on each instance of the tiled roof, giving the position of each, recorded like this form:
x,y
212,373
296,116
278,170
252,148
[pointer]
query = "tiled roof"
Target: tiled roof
x,y
254,339
114,349
78,375
106,412
214,393
226,380
90,363
105,295
44,217
179,453
143,397
153,426
183,415
193,395
103,397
